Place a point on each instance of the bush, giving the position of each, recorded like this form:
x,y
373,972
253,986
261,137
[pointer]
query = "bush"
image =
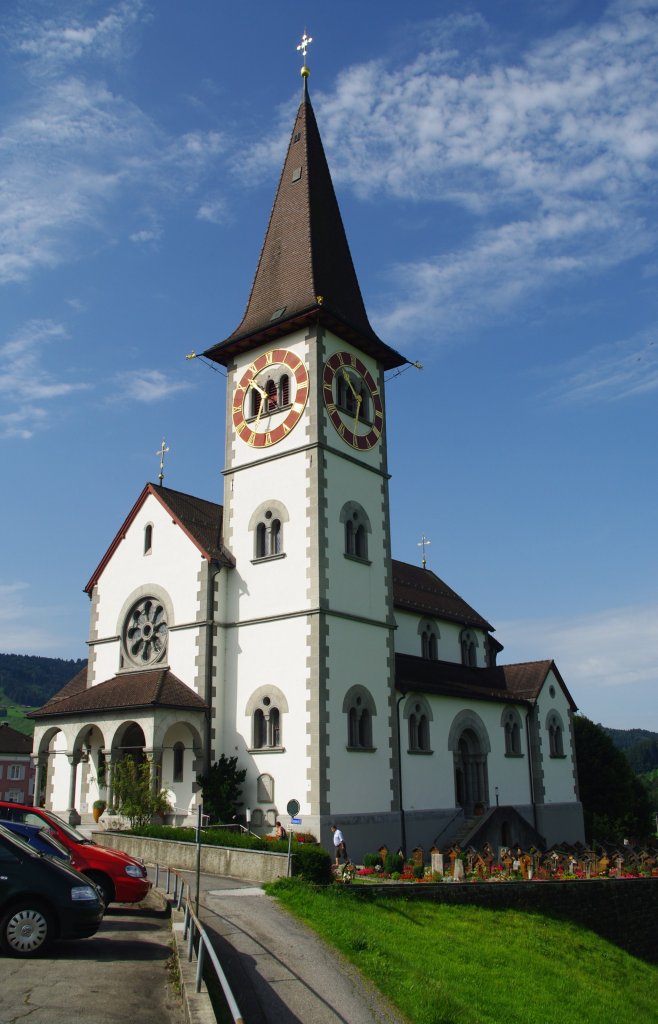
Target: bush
x,y
393,862
133,795
372,860
418,871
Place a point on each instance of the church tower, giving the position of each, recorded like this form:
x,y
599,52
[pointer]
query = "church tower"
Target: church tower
x,y
305,687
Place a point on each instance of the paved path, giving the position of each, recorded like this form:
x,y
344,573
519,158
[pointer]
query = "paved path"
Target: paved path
x,y
281,972
119,975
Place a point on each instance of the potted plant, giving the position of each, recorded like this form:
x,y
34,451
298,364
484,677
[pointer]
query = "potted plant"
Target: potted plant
x,y
97,809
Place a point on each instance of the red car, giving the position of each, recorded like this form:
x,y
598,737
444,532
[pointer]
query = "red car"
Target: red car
x,y
121,878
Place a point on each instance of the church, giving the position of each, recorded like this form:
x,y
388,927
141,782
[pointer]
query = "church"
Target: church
x,y
278,628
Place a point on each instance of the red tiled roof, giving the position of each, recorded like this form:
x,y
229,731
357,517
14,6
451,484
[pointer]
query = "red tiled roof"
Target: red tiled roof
x,y
201,520
420,590
305,271
14,742
153,688
507,683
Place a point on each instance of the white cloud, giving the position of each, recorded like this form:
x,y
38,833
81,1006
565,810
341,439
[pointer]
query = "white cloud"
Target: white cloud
x,y
610,372
611,649
551,160
147,386
213,211
25,380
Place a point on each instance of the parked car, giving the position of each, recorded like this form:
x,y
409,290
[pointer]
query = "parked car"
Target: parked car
x,y
39,839
122,879
42,899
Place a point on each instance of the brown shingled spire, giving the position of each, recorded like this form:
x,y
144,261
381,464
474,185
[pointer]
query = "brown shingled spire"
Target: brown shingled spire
x,y
305,272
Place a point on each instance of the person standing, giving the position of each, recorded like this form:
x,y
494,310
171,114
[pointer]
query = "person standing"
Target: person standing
x,y
339,844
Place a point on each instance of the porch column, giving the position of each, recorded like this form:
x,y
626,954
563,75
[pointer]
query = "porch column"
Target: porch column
x,y
74,761
154,758
38,761
109,779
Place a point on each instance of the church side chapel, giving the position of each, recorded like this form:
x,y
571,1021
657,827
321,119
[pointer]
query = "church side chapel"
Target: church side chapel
x,y
277,628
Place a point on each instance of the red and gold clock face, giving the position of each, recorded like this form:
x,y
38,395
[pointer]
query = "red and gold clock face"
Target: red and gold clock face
x,y
352,400
270,398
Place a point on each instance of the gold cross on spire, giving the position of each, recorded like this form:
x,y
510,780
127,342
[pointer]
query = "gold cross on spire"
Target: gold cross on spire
x,y
303,46
424,543
162,450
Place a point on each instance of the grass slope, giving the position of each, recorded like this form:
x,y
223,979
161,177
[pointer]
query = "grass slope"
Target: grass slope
x,y
467,965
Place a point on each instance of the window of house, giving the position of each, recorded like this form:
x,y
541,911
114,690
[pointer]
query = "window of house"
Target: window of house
x,y
418,715
266,708
468,641
357,527
555,735
179,759
267,526
148,538
16,772
511,723
359,707
429,640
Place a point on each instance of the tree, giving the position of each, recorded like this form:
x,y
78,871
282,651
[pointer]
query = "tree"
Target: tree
x,y
615,803
133,793
222,789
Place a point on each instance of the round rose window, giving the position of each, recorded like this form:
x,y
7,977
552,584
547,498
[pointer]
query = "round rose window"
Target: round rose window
x,y
145,632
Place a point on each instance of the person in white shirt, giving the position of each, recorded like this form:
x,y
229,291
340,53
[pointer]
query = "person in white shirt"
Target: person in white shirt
x,y
339,844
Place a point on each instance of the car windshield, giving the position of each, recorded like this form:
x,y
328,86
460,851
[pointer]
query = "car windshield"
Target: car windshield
x,y
71,832
17,841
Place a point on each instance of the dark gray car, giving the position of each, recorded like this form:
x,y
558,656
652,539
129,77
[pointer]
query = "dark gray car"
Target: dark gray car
x,y
42,899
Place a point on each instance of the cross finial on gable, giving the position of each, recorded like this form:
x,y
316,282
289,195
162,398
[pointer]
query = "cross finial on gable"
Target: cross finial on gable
x,y
162,450
303,46
423,543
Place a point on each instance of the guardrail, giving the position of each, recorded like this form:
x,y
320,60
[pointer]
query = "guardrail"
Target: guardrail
x,y
193,930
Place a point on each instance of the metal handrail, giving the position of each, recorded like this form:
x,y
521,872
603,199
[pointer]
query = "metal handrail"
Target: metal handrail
x,y
193,927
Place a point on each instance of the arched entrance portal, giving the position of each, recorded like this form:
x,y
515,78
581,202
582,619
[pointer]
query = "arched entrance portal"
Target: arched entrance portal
x,y
470,745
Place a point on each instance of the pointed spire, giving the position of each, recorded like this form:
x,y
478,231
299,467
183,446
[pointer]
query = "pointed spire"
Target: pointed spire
x,y
305,272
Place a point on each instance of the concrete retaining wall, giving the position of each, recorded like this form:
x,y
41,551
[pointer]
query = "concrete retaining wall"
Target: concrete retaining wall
x,y
252,865
624,911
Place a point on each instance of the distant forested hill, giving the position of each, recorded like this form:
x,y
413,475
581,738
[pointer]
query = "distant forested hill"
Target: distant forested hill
x,y
29,680
639,745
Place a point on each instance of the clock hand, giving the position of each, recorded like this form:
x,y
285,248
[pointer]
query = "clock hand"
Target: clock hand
x,y
359,399
261,391
348,381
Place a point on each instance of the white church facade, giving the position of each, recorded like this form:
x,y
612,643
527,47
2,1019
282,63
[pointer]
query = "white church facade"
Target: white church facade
x,y
278,628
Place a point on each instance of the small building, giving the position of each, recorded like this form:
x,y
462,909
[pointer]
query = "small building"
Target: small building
x,y
16,769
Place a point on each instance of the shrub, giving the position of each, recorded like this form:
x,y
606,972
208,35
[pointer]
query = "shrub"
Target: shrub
x,y
393,862
133,796
418,871
372,860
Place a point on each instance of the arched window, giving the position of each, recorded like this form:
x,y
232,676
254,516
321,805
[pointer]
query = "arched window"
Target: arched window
x,y
284,390
469,643
266,707
357,527
429,637
179,761
555,730
511,723
148,538
267,524
419,715
359,707
272,396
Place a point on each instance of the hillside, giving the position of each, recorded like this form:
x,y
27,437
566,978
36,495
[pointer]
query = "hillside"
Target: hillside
x,y
30,681
639,745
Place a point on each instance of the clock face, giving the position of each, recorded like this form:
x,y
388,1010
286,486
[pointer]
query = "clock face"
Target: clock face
x,y
352,400
270,398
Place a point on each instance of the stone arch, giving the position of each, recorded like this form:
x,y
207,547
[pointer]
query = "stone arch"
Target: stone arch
x,y
469,742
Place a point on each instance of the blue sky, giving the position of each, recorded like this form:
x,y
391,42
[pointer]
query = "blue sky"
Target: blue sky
x,y
495,163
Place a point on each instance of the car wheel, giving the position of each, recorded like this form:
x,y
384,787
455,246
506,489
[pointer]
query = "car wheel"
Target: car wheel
x,y
26,930
105,886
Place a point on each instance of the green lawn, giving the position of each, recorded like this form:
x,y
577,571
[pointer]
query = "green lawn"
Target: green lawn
x,y
17,720
467,965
